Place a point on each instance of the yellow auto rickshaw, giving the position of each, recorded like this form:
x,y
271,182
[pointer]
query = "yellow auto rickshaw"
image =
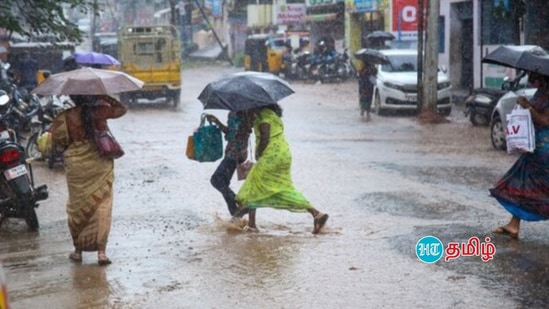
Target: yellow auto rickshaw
x,y
263,53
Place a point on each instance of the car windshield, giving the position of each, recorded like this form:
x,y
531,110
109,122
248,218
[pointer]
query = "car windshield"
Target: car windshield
x,y
401,63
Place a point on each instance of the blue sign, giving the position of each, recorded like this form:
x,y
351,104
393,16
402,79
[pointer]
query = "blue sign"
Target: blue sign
x,y
217,8
362,6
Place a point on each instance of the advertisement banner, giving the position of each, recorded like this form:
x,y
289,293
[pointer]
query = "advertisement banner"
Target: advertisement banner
x,y
287,14
405,18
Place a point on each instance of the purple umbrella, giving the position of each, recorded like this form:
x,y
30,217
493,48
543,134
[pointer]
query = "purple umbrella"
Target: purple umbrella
x,y
95,58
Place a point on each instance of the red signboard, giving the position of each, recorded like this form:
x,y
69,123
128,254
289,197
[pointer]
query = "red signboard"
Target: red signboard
x,y
405,15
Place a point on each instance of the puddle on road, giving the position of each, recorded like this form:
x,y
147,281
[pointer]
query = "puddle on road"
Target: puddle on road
x,y
413,204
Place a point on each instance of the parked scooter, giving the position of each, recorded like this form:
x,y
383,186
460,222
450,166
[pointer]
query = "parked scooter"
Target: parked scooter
x,y
18,196
481,103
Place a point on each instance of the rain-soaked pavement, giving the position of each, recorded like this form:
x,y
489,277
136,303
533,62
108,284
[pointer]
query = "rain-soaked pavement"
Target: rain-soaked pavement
x,y
385,184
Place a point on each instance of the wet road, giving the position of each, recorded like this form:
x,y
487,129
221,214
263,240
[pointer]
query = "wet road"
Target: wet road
x,y
385,184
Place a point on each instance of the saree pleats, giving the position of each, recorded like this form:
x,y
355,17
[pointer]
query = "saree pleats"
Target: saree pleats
x,y
524,189
90,181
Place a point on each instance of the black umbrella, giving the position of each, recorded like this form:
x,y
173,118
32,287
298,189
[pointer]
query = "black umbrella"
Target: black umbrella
x,y
530,58
244,90
380,35
370,55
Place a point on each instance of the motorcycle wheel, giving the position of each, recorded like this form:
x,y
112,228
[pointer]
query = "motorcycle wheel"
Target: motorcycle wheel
x,y
445,111
32,219
31,149
343,72
497,134
2,218
479,120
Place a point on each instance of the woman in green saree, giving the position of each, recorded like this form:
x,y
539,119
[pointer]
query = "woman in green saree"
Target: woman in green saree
x,y
269,183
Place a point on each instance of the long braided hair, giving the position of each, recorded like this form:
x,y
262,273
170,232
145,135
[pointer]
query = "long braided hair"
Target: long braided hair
x,y
85,102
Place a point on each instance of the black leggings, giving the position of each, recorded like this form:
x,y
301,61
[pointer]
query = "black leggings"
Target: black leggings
x,y
221,179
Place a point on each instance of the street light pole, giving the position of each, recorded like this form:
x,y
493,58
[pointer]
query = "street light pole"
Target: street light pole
x,y
93,21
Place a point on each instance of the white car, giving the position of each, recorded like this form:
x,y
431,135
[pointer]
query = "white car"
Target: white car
x,y
396,86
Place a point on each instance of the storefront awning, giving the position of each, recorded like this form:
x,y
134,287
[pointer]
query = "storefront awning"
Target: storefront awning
x,y
320,17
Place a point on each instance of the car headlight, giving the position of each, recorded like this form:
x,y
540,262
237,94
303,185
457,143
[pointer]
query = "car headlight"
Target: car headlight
x,y
394,86
443,85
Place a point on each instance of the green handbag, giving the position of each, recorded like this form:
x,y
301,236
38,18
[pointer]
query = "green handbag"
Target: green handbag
x,y
208,142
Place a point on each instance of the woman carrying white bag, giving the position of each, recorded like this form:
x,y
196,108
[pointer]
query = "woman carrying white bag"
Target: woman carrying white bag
x,y
520,135
524,189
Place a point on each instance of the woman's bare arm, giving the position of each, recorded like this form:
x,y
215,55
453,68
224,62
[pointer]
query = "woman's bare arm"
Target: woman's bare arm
x,y
540,118
264,133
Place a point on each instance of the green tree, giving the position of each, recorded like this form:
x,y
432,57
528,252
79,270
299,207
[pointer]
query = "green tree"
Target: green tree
x,y
31,18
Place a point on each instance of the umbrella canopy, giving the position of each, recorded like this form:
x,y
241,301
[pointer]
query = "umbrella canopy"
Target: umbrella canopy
x,y
88,81
95,58
370,55
244,90
380,35
530,58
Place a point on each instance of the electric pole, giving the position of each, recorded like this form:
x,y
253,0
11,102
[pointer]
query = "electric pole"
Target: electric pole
x,y
420,53
430,65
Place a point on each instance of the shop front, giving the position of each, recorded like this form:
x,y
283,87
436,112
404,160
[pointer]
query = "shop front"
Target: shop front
x,y
326,19
362,18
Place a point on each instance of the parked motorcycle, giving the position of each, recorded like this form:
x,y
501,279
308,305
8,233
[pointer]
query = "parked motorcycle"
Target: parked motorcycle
x,y
24,104
18,196
336,67
344,67
39,145
480,105
299,65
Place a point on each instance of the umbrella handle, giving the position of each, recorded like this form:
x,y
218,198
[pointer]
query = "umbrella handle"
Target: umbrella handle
x,y
203,120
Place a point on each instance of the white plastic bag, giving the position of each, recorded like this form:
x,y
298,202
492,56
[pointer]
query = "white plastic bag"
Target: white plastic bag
x,y
519,133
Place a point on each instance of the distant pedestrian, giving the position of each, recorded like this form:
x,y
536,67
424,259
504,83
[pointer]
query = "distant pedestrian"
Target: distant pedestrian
x,y
70,64
27,71
237,133
3,64
258,57
367,73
